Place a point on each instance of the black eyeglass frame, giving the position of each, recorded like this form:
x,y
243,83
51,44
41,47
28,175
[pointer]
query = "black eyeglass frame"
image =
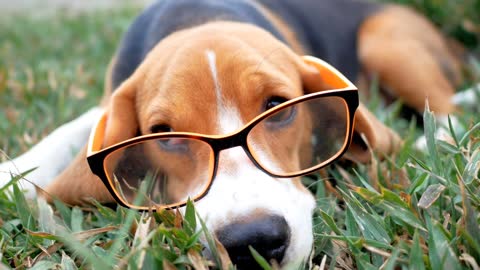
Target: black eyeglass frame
x,y
217,143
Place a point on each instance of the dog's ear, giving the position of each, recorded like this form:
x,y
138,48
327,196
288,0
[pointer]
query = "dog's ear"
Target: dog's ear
x,y
369,132
122,123
77,184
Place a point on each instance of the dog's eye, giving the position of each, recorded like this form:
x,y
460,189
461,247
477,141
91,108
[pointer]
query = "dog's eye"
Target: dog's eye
x,y
169,144
282,117
273,102
160,129
174,144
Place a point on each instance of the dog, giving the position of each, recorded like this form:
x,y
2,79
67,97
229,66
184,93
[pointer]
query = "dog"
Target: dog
x,y
210,67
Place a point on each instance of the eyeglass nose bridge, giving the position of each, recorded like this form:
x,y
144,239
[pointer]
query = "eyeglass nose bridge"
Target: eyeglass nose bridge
x,y
236,139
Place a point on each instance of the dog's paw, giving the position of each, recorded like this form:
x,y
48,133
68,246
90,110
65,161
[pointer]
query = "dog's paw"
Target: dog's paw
x,y
469,97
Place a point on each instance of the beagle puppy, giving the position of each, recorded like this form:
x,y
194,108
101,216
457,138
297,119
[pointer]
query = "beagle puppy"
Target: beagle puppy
x,y
192,80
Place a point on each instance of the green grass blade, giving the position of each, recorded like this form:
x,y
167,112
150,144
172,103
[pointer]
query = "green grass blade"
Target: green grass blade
x,y
370,227
452,132
330,222
211,243
64,211
466,136
416,254
190,217
15,179
76,219
440,252
259,258
392,260
429,132
23,210
67,263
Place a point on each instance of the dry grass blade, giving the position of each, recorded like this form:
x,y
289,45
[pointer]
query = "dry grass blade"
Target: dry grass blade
x,y
323,263
80,236
45,235
178,220
139,241
470,260
197,261
383,253
46,252
223,255
346,176
430,195
168,265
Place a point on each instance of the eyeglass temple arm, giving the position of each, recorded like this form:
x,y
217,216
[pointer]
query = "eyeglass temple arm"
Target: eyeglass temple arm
x,y
97,135
330,74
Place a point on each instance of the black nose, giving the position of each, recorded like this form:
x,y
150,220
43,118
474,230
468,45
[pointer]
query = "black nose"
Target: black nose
x,y
268,235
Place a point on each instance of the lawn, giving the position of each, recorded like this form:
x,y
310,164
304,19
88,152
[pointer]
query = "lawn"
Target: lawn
x,y
51,70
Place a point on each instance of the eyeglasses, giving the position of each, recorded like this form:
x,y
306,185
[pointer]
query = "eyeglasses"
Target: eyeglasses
x,y
164,170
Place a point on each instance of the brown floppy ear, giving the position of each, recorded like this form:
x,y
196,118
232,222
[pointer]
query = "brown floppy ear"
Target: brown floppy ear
x,y
122,123
369,132
77,185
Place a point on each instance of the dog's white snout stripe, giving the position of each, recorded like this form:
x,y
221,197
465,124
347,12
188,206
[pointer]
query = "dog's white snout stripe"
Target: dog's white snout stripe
x,y
228,116
212,63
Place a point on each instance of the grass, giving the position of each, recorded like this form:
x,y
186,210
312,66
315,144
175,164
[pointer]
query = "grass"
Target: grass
x,y
51,70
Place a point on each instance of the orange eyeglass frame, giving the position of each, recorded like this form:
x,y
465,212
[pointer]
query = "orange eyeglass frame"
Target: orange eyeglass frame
x,y
344,89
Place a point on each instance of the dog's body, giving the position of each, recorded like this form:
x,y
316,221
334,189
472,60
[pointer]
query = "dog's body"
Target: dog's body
x,y
207,66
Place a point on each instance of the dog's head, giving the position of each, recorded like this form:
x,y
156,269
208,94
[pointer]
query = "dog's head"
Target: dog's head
x,y
213,80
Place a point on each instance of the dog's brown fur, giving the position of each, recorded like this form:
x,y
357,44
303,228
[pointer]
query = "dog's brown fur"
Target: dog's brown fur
x,y
411,57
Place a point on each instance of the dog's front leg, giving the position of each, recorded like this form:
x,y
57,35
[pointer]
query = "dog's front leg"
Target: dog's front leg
x,y
52,154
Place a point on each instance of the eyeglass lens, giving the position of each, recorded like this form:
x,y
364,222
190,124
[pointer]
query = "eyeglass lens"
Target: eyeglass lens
x,y
300,137
160,171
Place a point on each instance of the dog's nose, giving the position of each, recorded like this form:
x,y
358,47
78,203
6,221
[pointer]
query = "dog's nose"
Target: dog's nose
x,y
268,235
